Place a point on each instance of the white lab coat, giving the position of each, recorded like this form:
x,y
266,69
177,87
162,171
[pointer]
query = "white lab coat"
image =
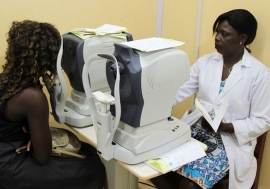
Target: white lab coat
x,y
247,90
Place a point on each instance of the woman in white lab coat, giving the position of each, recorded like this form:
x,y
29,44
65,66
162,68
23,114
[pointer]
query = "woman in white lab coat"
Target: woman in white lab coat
x,y
233,75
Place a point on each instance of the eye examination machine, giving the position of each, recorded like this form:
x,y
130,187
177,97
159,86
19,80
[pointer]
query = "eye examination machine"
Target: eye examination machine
x,y
138,125
75,52
133,120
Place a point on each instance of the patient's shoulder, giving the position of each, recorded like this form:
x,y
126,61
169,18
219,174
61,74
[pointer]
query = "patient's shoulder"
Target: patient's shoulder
x,y
31,100
31,96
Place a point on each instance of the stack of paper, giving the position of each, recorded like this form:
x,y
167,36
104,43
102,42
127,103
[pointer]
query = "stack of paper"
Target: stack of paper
x,y
106,29
176,158
152,44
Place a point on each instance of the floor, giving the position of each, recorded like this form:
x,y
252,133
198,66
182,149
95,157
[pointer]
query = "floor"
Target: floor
x,y
146,185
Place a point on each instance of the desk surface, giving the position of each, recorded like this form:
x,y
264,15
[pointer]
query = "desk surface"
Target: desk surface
x,y
141,170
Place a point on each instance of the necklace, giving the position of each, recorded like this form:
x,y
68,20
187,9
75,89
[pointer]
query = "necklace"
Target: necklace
x,y
230,69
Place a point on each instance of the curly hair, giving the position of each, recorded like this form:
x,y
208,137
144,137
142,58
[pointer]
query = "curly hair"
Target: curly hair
x,y
31,53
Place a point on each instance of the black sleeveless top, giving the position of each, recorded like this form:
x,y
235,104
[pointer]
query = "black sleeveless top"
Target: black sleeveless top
x,y
11,131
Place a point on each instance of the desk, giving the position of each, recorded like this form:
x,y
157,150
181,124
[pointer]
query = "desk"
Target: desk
x,y
121,175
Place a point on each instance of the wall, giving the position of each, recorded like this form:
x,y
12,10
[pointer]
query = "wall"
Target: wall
x,y
179,22
70,14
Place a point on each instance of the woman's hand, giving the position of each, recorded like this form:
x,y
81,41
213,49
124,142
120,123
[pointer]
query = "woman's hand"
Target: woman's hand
x,y
226,127
206,125
25,148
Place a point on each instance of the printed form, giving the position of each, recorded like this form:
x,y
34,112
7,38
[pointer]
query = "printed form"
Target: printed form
x,y
177,157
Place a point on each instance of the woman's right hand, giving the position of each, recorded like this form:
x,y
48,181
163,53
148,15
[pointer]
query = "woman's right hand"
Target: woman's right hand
x,y
25,148
206,125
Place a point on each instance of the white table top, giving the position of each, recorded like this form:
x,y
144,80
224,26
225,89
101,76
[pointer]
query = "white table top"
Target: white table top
x,y
141,170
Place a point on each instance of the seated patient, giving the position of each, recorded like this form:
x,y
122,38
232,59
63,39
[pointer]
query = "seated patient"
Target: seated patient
x,y
231,74
25,138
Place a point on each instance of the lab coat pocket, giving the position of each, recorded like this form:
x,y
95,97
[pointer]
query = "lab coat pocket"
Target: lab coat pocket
x,y
243,161
241,109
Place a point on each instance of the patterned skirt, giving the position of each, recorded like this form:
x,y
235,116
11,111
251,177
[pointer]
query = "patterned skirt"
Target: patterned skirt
x,y
207,170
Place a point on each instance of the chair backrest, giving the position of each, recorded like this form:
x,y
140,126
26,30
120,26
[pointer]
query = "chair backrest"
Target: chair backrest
x,y
258,153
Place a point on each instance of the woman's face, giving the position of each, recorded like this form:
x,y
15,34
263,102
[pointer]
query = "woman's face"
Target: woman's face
x,y
227,39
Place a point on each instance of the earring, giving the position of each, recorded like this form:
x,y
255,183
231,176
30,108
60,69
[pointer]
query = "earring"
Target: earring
x,y
240,43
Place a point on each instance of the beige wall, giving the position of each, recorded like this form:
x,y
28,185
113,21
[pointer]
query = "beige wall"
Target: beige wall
x,y
179,22
138,17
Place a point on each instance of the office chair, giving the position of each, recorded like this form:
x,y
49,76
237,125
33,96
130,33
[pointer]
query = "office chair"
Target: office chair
x,y
258,153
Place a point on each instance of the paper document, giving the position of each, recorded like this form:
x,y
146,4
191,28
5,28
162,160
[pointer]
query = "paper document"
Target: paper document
x,y
218,115
177,157
106,29
152,44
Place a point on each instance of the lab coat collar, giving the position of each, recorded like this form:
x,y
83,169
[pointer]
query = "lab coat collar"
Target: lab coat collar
x,y
245,59
236,74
